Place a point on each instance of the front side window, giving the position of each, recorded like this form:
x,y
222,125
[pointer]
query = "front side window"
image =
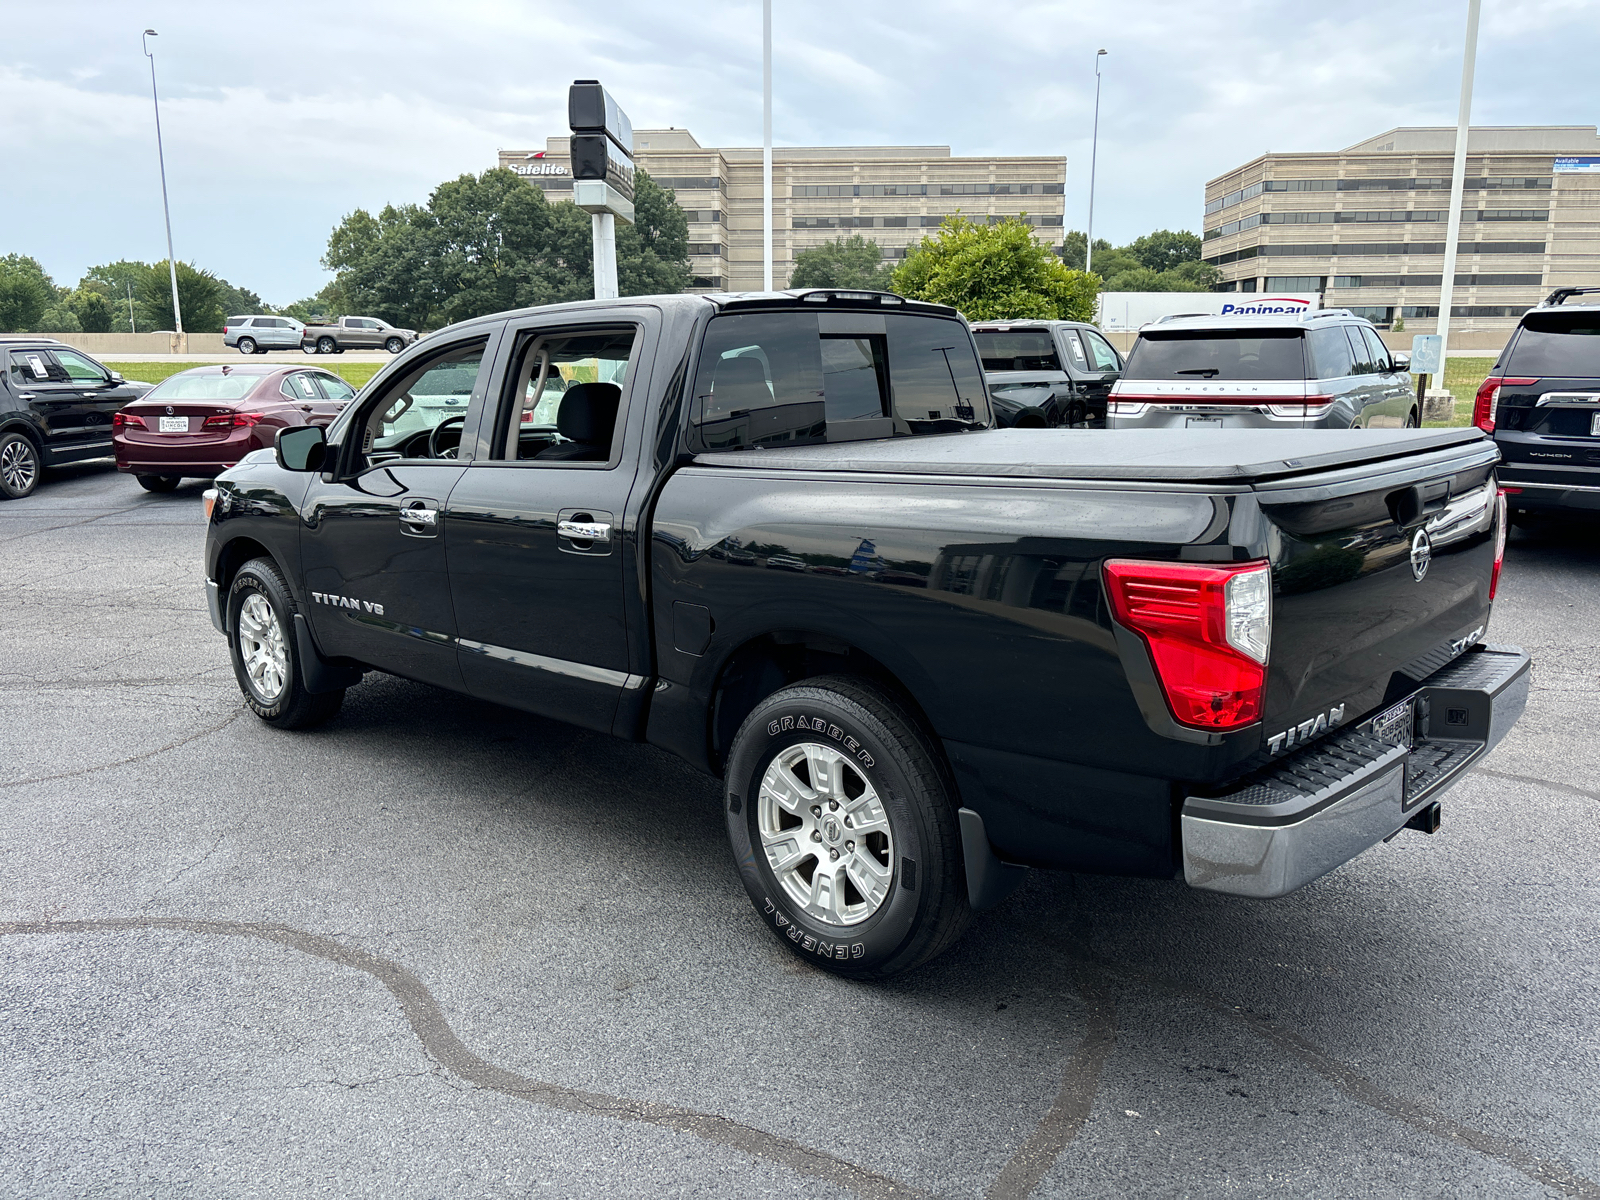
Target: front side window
x,y
1243,355
1378,353
1360,351
80,369
421,414
565,396
1019,350
1105,358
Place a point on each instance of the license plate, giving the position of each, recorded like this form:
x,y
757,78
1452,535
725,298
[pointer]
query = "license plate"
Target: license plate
x,y
1594,425
1202,423
1393,724
174,424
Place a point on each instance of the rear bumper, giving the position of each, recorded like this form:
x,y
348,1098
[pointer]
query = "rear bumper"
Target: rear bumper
x,y
1316,810
1539,497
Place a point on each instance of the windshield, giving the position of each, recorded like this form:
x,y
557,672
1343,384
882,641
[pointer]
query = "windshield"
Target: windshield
x,y
1254,354
1024,350
1562,347
204,387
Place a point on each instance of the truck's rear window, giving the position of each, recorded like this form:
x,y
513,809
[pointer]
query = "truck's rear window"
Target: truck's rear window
x,y
1021,350
1560,346
1251,354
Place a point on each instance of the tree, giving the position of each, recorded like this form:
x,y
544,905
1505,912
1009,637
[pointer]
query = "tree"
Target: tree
x,y
26,292
1073,248
992,271
852,262
653,252
239,301
119,280
199,295
1200,276
1165,249
92,308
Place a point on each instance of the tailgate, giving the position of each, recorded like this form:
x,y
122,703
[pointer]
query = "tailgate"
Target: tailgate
x,y
1381,576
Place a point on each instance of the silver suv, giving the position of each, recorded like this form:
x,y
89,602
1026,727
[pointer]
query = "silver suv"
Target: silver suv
x,y
1325,369
257,335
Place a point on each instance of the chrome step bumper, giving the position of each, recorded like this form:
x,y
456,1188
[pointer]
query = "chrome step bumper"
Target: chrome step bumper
x,y
1304,815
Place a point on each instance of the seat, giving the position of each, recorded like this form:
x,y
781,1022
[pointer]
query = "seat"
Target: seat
x,y
587,416
739,384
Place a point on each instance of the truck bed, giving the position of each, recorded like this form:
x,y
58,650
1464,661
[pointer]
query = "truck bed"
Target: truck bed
x,y
1235,456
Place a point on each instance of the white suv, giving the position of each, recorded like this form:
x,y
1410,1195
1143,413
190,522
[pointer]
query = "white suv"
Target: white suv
x,y
257,335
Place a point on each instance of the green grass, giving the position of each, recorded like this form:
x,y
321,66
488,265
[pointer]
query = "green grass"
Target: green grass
x,y
1461,378
355,374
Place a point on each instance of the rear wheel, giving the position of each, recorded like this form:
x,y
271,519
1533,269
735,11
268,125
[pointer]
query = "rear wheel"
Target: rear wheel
x,y
159,483
843,823
394,345
266,660
247,345
1411,419
326,345
19,466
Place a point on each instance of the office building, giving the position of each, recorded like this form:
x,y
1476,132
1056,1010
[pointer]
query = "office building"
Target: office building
x,y
1365,226
894,195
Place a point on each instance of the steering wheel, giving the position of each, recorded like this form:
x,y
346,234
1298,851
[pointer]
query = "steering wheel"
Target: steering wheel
x,y
433,438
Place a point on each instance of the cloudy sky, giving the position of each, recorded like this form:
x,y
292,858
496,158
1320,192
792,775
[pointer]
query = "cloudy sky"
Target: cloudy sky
x,y
280,117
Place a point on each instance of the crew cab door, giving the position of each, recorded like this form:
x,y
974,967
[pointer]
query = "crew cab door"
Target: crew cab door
x,y
535,531
1102,369
371,545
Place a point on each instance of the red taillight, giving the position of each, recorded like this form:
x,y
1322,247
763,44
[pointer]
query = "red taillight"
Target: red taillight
x,y
1500,516
127,420
1208,630
1487,404
233,420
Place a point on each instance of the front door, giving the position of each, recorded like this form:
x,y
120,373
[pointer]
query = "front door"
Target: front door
x,y
371,547
535,530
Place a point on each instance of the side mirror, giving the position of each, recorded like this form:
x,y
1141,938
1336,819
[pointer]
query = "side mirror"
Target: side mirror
x,y
301,447
116,377
1402,360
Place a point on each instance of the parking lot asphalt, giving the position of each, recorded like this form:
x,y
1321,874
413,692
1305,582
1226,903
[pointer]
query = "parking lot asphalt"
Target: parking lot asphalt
x,y
439,948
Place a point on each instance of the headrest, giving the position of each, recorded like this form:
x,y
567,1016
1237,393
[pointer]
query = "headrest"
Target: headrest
x,y
739,383
588,412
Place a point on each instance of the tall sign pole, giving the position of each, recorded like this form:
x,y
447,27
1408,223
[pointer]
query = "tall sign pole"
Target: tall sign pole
x,y
1458,180
1094,154
766,145
161,159
602,173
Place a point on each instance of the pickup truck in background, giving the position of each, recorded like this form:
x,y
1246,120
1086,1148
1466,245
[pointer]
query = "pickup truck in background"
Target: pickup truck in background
x,y
1239,660
1045,374
355,333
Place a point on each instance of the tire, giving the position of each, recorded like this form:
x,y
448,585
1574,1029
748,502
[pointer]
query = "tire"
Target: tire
x,y
394,345
19,466
883,766
266,660
159,483
246,345
1411,420
326,345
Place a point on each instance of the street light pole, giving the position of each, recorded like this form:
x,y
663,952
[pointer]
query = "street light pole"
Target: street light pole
x,y
161,159
766,145
1094,153
1458,179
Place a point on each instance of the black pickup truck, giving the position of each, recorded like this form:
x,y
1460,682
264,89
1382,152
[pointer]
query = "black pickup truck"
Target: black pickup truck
x,y
778,535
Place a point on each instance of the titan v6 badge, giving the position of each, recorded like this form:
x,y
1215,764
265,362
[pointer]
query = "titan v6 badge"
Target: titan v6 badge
x,y
348,602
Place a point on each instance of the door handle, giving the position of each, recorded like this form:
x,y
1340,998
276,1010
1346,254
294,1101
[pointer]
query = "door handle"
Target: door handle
x,y
428,517
584,531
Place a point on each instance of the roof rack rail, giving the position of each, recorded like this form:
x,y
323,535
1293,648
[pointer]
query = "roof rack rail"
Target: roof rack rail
x,y
1314,313
1559,296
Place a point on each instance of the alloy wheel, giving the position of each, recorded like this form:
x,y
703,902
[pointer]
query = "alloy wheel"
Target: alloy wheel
x,y
19,466
262,648
825,834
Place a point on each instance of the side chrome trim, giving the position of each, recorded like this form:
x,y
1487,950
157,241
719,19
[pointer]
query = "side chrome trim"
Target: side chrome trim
x,y
556,666
1549,487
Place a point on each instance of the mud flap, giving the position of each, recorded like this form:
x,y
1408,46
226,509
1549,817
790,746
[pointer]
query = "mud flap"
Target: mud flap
x,y
989,880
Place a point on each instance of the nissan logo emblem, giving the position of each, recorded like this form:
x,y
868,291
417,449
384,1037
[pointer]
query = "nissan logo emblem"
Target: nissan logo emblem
x,y
1421,554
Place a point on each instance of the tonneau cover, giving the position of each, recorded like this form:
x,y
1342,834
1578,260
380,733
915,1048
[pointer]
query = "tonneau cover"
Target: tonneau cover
x,y
1232,456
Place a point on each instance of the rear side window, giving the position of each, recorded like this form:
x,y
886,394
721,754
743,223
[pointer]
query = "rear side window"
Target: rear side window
x,y
1560,346
1331,355
36,366
760,382
1020,350
335,389
1254,354
234,322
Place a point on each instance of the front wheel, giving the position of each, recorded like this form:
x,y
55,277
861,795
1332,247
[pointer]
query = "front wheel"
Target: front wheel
x,y
843,823
19,466
326,345
394,345
266,660
247,345
159,483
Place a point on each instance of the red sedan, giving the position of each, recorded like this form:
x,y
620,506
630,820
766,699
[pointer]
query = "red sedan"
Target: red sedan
x,y
200,422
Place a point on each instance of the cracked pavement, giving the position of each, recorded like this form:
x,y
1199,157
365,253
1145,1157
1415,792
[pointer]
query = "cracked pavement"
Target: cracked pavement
x,y
438,948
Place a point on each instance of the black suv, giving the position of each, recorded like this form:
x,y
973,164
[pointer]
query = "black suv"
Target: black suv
x,y
1542,404
56,405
